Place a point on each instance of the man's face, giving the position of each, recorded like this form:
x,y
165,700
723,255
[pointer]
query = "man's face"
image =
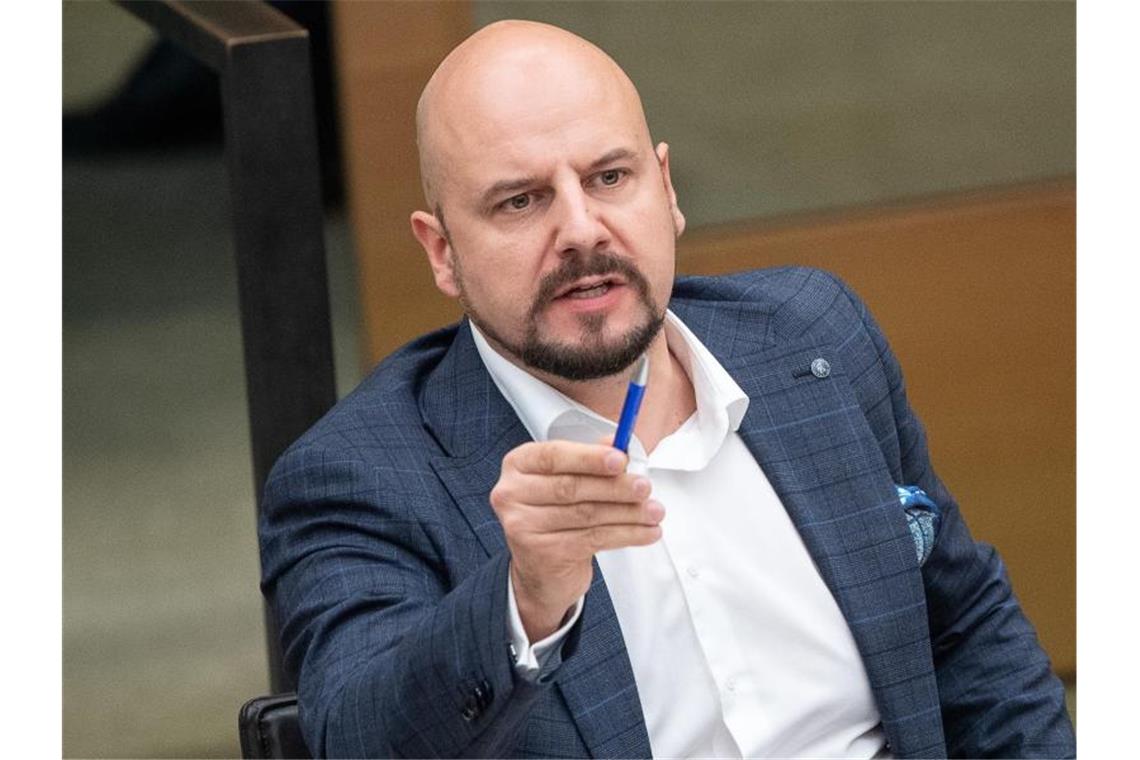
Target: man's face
x,y
559,221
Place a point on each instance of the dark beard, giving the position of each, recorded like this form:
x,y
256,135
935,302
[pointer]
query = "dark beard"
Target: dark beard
x,y
593,357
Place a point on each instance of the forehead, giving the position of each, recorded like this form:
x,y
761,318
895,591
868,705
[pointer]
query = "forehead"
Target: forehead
x,y
527,114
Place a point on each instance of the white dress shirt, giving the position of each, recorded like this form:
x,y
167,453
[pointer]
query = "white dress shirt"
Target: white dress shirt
x,y
737,646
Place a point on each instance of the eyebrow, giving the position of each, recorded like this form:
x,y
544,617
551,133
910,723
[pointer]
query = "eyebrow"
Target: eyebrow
x,y
505,186
502,187
617,154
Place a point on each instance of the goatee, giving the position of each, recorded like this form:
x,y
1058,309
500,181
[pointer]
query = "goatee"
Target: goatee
x,y
593,357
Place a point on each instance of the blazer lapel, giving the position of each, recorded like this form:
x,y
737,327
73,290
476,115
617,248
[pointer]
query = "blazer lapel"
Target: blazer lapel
x,y
811,439
470,479
476,426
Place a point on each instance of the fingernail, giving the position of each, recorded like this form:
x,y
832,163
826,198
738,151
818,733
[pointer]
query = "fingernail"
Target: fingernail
x,y
615,461
642,487
656,510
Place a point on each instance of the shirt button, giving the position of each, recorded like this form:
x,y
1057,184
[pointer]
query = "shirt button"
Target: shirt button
x,y
730,684
693,571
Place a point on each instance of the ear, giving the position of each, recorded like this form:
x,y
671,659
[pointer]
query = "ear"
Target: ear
x,y
663,160
429,232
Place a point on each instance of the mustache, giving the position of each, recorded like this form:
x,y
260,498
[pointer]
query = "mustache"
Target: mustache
x,y
577,267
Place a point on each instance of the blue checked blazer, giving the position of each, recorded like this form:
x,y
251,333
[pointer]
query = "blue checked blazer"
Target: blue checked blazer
x,y
387,569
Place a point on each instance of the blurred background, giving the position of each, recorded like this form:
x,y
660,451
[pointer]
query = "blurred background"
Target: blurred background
x,y
925,151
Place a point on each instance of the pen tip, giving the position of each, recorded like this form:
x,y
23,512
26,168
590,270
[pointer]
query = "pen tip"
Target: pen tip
x,y
642,374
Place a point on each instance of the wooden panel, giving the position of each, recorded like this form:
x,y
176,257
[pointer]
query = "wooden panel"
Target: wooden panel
x,y
386,52
977,295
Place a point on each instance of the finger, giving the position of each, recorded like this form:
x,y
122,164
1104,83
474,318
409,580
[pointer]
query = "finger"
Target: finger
x,y
585,515
554,457
573,488
606,537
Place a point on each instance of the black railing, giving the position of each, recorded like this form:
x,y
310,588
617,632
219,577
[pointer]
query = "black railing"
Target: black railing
x,y
271,148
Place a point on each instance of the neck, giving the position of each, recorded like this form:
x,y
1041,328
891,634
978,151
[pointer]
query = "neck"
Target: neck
x,y
669,398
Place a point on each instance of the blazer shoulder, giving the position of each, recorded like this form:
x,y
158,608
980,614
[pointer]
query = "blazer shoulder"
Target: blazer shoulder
x,y
793,300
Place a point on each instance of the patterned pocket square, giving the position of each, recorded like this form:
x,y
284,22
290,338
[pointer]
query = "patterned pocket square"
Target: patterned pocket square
x,y
923,517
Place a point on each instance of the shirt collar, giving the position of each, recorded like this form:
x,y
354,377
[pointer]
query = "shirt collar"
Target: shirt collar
x,y
547,413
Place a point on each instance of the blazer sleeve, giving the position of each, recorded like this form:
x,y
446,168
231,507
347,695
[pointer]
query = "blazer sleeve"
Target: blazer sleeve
x,y
998,693
390,660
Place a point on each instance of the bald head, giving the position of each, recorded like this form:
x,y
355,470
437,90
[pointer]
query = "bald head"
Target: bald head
x,y
503,77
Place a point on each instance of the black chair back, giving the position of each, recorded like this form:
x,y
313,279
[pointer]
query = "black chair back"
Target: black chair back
x,y
269,728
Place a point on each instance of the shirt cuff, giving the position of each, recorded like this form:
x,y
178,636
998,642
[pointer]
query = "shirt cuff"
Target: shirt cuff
x,y
532,659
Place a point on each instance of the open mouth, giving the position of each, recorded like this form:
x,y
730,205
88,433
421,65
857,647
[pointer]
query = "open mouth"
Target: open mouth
x,y
589,289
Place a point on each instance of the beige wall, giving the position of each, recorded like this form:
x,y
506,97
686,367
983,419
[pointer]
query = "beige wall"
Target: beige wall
x,y
773,107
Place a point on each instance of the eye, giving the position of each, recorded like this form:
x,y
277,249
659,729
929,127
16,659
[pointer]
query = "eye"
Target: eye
x,y
611,177
523,204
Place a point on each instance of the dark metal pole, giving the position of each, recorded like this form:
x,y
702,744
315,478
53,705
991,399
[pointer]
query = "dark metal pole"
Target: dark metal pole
x,y
271,149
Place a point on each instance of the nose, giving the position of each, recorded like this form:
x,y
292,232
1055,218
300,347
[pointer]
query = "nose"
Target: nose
x,y
580,229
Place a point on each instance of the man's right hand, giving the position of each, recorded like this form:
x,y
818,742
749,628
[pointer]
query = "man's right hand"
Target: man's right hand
x,y
561,502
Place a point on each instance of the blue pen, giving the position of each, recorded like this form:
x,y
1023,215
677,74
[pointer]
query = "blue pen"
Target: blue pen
x,y
631,406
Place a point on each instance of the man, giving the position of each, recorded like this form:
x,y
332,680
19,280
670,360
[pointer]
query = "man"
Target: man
x,y
461,565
